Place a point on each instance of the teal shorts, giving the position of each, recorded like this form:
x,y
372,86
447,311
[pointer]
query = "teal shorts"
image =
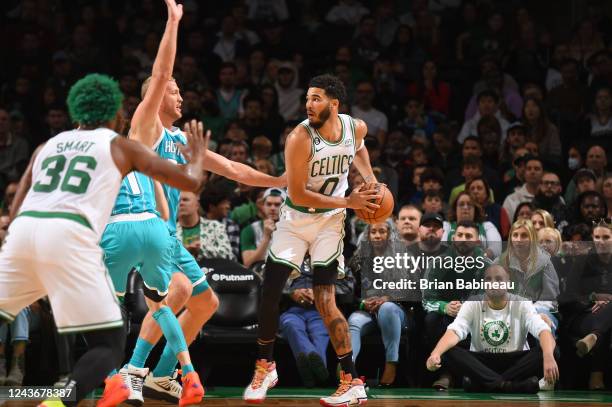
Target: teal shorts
x,y
143,244
189,267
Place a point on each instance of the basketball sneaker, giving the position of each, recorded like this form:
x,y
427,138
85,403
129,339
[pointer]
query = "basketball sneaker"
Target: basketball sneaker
x,y
165,388
350,393
265,378
115,392
193,391
133,377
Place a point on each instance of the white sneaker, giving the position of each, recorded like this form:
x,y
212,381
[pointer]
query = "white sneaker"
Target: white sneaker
x,y
350,393
545,386
133,378
265,378
165,388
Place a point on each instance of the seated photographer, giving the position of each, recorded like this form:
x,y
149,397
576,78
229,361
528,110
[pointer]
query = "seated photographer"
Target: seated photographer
x,y
498,324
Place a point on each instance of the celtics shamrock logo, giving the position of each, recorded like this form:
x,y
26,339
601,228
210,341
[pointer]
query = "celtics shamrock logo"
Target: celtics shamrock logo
x,y
495,333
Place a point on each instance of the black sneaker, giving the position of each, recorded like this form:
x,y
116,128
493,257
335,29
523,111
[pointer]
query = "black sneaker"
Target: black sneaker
x,y
303,366
318,368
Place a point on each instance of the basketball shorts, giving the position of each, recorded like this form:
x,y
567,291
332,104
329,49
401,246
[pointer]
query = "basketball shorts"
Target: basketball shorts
x,y
60,258
184,262
319,234
143,244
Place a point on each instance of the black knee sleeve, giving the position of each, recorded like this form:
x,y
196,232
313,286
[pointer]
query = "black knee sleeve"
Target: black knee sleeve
x,y
275,278
105,352
112,339
325,275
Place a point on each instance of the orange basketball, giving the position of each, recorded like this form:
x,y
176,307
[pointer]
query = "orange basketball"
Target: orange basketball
x,y
386,204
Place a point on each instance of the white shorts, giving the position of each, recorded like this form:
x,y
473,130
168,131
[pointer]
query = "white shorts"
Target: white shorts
x,y
61,259
320,234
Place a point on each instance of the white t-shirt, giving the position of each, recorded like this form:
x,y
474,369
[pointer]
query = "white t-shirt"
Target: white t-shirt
x,y
498,331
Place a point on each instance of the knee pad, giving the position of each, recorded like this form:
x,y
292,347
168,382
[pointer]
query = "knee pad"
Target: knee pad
x,y
325,275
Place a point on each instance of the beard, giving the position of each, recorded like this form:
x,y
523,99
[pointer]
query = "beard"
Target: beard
x,y
322,118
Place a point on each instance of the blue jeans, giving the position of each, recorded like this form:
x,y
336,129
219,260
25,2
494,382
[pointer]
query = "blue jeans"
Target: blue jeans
x,y
20,328
305,331
391,319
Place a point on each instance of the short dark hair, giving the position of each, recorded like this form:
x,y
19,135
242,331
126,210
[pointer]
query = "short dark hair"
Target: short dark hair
x,y
473,138
467,224
488,93
332,85
433,194
251,98
212,196
432,174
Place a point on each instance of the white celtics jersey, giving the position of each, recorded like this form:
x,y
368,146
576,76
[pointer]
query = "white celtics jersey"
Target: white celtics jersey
x,y
74,177
329,163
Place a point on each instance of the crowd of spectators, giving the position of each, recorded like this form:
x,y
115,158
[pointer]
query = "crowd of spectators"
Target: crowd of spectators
x,y
487,114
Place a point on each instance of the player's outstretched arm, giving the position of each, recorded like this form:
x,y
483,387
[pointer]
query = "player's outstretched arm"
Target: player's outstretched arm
x,y
130,155
297,148
241,173
24,185
146,125
362,158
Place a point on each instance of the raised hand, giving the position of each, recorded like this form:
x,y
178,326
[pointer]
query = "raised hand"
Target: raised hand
x,y
197,143
175,11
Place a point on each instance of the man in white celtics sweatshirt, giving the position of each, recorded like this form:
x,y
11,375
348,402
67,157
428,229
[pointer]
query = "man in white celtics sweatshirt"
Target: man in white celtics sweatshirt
x,y
499,359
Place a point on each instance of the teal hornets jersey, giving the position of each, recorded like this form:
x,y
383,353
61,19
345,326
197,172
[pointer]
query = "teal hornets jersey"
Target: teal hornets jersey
x,y
166,147
136,195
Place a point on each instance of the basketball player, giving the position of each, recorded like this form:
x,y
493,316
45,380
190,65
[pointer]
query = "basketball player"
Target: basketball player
x,y
132,225
52,246
319,153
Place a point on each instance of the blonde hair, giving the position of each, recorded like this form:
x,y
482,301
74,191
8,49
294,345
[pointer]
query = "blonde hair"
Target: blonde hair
x,y
554,233
533,244
145,86
549,222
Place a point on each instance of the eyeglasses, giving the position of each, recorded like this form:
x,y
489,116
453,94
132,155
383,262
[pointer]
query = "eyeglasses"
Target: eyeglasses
x,y
603,222
551,183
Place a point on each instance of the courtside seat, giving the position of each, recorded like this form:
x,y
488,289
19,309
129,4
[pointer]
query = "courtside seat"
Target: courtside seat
x,y
238,290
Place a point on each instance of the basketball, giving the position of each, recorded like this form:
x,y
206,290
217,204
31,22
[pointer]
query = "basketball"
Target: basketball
x,y
385,201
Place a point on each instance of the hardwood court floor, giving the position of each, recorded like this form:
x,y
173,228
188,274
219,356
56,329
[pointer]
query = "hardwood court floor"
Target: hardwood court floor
x,y
298,397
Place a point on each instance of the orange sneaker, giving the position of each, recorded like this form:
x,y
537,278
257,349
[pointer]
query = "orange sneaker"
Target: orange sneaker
x,y
115,392
193,391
